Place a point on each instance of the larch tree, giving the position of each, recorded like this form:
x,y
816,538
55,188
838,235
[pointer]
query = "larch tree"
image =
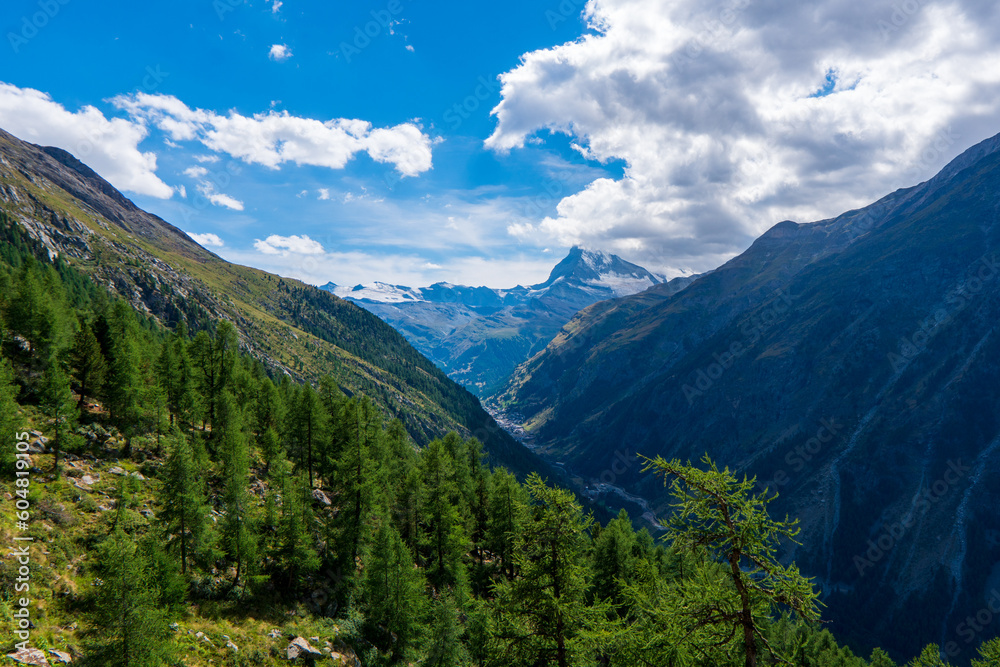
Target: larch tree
x,y
718,513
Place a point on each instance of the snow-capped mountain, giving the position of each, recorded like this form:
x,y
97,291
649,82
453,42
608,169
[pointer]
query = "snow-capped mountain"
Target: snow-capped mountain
x,y
478,335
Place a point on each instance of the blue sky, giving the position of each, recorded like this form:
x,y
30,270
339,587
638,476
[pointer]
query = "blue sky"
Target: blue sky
x,y
476,142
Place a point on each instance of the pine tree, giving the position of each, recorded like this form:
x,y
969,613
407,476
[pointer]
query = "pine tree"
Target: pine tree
x,y
59,407
507,503
614,561
182,499
297,551
445,540
309,427
446,648
239,527
125,380
88,363
393,596
541,616
128,627
355,478
717,512
215,357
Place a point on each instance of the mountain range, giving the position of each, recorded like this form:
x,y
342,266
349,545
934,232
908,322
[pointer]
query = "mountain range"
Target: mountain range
x,y
478,335
293,328
851,365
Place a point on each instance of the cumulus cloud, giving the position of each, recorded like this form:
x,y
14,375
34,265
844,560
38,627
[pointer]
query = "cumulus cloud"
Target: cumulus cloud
x,y
713,106
207,190
324,194
279,53
276,6
288,245
274,138
108,145
207,240
196,172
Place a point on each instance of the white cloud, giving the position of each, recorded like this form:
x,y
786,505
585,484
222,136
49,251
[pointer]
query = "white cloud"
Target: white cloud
x,y
288,245
207,240
110,146
210,159
279,53
324,194
196,172
353,268
274,138
276,6
708,102
207,190
182,191
409,47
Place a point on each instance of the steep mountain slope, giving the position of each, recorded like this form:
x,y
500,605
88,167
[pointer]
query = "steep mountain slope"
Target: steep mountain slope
x,y
294,328
852,364
479,335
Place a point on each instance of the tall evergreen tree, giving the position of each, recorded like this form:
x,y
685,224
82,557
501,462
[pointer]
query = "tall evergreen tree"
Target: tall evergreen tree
x,y
297,551
182,499
88,364
507,504
542,617
60,409
445,540
717,512
239,527
393,596
355,477
614,561
128,627
125,381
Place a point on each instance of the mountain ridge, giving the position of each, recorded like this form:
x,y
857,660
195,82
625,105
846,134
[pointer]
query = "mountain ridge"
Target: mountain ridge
x,y
293,328
804,326
478,335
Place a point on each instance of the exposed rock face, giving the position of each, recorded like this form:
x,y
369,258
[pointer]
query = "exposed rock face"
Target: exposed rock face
x,y
301,650
852,364
29,656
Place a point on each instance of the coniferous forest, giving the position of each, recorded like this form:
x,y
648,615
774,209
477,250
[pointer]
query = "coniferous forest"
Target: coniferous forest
x,y
194,508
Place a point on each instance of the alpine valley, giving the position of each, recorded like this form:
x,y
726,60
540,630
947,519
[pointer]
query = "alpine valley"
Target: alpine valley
x,y
478,335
